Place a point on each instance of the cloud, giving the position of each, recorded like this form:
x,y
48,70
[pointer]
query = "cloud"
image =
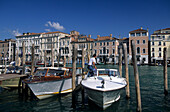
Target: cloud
x,y
46,25
48,30
16,33
55,25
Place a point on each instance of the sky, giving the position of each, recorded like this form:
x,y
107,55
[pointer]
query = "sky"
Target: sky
x,y
89,17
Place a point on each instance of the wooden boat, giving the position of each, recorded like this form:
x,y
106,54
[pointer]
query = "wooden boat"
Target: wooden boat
x,y
49,81
10,80
105,88
12,76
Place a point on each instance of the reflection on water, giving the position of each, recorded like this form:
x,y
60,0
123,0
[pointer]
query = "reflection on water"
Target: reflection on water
x,y
152,94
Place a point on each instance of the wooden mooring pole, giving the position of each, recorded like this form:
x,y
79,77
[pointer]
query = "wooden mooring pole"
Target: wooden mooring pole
x,y
120,60
82,64
52,56
126,70
165,72
64,61
58,59
45,58
5,65
23,57
74,56
136,75
32,61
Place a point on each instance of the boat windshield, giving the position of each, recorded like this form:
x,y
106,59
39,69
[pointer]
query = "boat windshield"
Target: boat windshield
x,y
40,73
55,73
107,72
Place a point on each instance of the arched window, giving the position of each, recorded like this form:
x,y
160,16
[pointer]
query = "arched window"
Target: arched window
x,y
138,50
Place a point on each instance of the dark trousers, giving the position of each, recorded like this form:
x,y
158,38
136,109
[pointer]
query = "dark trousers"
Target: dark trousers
x,y
90,67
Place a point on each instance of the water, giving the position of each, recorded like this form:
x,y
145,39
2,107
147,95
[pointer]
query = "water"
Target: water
x,y
151,86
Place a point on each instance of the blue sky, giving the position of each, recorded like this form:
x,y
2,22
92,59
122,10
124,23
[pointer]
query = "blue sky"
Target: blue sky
x,y
95,17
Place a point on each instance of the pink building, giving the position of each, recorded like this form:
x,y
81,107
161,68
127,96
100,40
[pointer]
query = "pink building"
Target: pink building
x,y
106,49
140,36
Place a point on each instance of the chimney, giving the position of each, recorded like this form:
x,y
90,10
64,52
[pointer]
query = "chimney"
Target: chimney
x,y
147,29
110,36
89,36
98,36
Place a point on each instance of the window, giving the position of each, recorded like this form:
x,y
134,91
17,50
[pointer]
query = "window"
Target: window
x,y
107,51
153,55
67,42
152,37
107,43
143,41
153,49
164,44
138,41
63,43
100,51
95,44
100,43
159,54
160,49
104,43
132,34
60,43
137,34
113,51
95,51
113,43
163,37
143,33
144,51
138,50
152,43
159,43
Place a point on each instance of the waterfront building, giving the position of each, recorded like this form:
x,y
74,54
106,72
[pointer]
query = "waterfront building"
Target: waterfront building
x,y
29,39
140,37
50,38
7,51
159,40
85,42
42,42
106,49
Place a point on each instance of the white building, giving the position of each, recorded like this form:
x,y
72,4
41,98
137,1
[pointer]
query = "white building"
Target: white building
x,y
42,42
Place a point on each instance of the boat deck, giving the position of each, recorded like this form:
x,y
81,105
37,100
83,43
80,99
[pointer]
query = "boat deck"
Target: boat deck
x,y
10,76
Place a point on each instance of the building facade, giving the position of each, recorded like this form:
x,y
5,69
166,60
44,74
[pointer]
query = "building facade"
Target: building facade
x,y
85,42
7,51
160,39
140,37
106,49
42,42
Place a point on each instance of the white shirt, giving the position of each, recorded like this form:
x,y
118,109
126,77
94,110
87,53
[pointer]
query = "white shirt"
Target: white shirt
x,y
91,61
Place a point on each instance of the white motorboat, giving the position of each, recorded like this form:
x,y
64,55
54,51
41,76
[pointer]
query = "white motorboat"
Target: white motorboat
x,y
49,81
105,87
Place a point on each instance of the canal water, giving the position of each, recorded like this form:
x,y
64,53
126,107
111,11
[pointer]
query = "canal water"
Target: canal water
x,y
151,86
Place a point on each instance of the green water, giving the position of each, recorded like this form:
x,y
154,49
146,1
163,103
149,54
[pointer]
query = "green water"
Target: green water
x,y
151,86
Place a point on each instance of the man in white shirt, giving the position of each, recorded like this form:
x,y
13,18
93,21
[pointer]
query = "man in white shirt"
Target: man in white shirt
x,y
92,64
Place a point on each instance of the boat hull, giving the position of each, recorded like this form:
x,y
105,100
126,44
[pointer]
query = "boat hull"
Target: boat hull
x,y
10,83
103,98
48,89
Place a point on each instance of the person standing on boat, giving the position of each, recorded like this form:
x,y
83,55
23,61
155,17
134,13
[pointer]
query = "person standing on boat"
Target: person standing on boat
x,y
91,65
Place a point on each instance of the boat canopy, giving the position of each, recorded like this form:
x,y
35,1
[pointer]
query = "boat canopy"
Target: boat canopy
x,y
52,68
